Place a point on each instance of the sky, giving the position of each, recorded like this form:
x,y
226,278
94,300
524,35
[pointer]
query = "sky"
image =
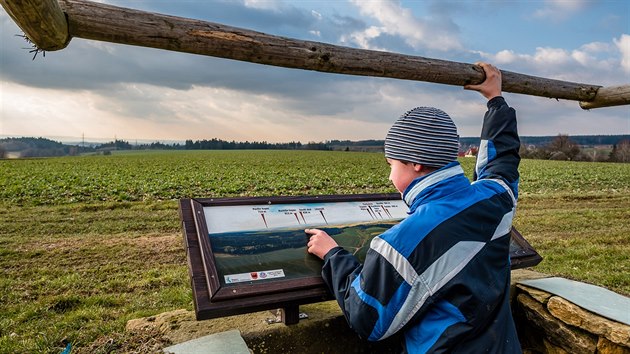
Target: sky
x,y
98,90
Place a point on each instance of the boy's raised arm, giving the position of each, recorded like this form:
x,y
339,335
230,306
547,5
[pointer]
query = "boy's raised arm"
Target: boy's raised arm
x,y
498,151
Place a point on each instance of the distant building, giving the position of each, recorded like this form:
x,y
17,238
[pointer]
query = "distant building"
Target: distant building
x,y
472,151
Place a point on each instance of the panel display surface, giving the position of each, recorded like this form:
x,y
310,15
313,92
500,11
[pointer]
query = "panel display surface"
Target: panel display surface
x,y
267,242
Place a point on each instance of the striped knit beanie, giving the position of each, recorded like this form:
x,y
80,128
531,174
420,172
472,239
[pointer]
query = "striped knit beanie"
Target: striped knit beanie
x,y
424,135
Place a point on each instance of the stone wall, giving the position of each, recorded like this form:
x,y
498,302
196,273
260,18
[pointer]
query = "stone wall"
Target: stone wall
x,y
550,324
545,323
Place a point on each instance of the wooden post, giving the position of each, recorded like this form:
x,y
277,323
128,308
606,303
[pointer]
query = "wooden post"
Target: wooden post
x,y
609,96
42,21
290,314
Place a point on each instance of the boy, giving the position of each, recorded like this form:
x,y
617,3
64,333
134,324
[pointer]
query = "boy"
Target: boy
x,y
442,275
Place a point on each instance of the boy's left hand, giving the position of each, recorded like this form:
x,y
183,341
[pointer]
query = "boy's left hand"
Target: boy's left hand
x,y
320,242
491,86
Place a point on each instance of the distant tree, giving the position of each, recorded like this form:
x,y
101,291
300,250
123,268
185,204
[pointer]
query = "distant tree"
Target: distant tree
x,y
311,145
116,145
595,155
525,151
621,152
559,156
158,146
534,152
583,156
2,151
562,146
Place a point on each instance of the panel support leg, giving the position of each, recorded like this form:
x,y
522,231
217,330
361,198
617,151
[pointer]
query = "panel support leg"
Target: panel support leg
x,y
290,315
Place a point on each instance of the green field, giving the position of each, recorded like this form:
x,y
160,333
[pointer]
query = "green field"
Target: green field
x,y
87,243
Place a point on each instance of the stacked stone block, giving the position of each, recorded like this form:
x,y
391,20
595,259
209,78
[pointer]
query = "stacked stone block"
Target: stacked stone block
x,y
551,324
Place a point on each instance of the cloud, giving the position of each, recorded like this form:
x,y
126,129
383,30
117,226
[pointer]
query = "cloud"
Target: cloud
x,y
251,14
142,111
540,116
316,14
623,44
559,10
596,63
595,47
155,86
395,20
552,56
42,112
262,4
568,5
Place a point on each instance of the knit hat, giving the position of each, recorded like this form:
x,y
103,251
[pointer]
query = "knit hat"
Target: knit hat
x,y
424,135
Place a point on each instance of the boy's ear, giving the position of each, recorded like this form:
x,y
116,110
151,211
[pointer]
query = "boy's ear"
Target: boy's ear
x,y
417,167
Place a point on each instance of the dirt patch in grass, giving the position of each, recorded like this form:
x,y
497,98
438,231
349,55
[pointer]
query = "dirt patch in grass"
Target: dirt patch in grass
x,y
156,240
146,342
94,252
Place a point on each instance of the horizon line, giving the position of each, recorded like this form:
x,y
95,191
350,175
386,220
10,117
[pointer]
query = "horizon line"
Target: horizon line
x,y
80,139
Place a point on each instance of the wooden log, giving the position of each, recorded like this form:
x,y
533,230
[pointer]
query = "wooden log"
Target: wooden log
x,y
42,21
609,96
127,26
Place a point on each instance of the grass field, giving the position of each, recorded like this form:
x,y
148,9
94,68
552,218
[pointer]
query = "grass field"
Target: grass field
x,y
87,243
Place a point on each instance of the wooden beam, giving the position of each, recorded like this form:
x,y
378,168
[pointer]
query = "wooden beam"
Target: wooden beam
x,y
45,24
42,21
109,23
609,96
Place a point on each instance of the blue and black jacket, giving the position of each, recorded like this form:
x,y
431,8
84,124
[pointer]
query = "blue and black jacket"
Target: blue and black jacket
x,y
442,275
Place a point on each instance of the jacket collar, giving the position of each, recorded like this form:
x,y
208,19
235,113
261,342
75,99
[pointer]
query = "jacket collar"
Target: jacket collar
x,y
433,184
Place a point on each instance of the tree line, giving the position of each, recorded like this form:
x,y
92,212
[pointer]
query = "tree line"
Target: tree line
x,y
560,147
563,148
214,144
35,147
218,144
42,147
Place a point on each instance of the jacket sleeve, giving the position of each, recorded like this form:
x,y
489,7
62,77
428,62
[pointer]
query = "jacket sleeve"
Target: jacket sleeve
x,y
498,156
375,296
339,270
345,277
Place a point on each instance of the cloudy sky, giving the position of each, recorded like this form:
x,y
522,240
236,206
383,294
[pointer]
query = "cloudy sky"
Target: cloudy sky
x,y
104,91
